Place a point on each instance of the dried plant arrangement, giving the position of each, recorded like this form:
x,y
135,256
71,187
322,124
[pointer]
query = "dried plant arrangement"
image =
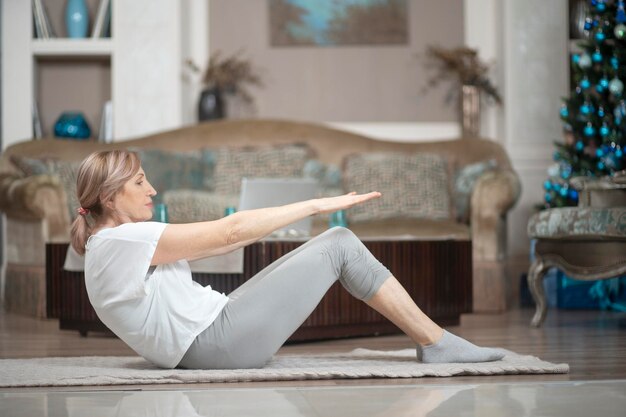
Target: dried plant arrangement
x,y
463,67
230,74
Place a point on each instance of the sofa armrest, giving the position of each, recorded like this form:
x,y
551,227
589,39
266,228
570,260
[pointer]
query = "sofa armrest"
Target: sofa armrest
x,y
493,196
36,198
603,192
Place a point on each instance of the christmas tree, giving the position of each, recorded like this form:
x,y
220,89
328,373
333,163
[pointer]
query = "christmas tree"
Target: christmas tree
x,y
594,116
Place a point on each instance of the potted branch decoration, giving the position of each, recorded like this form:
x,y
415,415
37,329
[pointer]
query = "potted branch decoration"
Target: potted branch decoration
x,y
224,76
469,76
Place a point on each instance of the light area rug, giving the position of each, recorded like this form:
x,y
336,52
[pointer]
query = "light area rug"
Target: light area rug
x,y
359,363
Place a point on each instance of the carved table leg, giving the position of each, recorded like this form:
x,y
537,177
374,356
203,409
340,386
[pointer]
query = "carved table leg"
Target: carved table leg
x,y
535,283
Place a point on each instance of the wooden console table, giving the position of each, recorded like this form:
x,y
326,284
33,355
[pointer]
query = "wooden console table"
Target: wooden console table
x,y
437,274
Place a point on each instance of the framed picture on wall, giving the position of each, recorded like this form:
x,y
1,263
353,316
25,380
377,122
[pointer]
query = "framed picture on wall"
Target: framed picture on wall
x,y
338,23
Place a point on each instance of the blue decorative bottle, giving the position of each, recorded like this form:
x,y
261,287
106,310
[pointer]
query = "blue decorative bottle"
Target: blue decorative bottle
x,y
76,18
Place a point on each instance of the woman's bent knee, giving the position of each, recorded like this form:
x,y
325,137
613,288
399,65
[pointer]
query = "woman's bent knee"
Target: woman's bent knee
x,y
342,233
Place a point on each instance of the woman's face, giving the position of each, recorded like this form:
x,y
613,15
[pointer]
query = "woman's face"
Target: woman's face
x,y
134,202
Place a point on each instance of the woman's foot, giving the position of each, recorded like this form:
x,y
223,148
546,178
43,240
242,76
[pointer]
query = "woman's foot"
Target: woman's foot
x,y
451,349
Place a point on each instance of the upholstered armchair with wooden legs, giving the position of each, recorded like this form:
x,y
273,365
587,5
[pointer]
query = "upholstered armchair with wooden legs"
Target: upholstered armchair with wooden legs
x,y
586,242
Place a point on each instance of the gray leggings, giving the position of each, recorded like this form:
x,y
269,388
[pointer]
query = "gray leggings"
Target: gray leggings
x,y
263,312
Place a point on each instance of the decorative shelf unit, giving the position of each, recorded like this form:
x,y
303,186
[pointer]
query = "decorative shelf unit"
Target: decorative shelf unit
x,y
139,69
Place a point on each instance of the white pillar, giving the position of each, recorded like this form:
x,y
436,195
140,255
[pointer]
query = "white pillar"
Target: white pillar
x,y
195,46
17,71
146,67
483,33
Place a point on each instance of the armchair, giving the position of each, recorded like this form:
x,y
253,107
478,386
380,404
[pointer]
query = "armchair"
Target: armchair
x,y
587,242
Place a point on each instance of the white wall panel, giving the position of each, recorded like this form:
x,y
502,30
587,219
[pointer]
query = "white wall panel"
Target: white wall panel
x,y
147,67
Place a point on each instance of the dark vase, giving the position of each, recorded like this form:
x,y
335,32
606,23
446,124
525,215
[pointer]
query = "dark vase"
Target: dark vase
x,y
211,105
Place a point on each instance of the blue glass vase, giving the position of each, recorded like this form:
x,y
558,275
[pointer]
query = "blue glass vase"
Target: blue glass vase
x,y
72,125
76,18
338,218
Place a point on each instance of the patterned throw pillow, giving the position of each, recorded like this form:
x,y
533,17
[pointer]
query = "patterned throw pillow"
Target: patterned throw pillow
x,y
464,181
233,164
65,170
171,170
187,206
327,175
413,186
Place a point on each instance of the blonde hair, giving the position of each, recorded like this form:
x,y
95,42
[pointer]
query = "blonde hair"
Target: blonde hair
x,y
100,177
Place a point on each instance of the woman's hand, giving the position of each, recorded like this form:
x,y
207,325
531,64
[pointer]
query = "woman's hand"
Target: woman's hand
x,y
330,204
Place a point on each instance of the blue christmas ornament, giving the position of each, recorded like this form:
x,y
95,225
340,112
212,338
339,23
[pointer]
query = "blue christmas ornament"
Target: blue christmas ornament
x,y
557,187
573,194
600,36
588,23
566,171
606,149
601,111
600,165
604,82
596,56
564,112
575,58
604,130
580,146
584,61
589,130
620,16
599,153
548,197
563,192
619,153
600,89
547,185
585,108
584,83
601,6
616,87
614,62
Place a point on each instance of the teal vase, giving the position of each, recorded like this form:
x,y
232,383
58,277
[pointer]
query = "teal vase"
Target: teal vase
x,y
76,18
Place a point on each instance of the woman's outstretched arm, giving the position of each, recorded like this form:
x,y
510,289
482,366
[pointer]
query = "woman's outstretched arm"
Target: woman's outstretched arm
x,y
202,239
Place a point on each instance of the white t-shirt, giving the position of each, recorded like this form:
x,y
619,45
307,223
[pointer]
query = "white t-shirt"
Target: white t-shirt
x,y
157,310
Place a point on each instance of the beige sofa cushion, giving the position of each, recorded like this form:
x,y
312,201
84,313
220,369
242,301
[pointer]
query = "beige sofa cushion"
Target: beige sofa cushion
x,y
414,186
187,206
233,164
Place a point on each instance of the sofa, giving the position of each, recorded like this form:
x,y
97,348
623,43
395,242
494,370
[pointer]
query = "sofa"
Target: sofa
x,y
447,189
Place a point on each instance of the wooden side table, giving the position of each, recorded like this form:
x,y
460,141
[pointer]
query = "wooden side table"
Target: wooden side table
x,y
437,274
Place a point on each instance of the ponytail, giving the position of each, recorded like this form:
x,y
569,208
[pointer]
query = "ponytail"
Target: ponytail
x,y
81,230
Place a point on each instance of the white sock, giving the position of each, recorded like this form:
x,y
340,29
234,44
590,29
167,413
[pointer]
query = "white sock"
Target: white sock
x,y
451,348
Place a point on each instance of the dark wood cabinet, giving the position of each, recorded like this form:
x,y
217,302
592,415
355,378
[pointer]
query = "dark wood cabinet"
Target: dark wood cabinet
x,y
437,274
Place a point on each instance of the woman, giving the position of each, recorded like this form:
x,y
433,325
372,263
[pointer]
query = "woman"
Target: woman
x,y
139,281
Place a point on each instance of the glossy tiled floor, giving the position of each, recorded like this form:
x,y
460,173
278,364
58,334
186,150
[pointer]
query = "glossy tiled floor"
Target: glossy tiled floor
x,y
591,342
593,398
